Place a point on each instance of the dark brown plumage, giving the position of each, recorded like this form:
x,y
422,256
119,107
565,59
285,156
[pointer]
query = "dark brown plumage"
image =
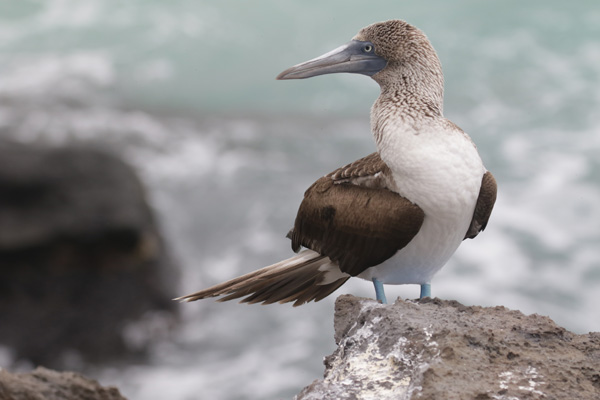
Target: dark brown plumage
x,y
484,206
357,225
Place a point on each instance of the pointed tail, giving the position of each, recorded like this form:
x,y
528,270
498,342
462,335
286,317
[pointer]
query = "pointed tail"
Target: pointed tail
x,y
305,277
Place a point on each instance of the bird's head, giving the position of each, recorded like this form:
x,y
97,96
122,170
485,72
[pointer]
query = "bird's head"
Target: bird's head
x,y
394,53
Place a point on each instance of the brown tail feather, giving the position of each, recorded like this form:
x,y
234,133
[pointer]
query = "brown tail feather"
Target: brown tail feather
x,y
296,279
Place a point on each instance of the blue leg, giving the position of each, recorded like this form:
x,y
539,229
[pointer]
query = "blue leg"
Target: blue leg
x,y
379,293
425,290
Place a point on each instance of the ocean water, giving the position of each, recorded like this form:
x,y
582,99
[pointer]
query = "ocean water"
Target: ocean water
x,y
185,91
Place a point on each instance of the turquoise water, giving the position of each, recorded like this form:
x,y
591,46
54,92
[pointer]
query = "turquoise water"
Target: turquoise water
x,y
185,90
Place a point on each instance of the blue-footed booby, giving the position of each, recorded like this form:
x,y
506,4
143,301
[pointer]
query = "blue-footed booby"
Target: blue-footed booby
x,y
395,216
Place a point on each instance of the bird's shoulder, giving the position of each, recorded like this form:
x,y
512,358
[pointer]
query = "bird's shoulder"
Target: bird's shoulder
x,y
369,171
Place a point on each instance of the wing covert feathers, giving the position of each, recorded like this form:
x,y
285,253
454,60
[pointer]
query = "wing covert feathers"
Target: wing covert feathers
x,y
368,171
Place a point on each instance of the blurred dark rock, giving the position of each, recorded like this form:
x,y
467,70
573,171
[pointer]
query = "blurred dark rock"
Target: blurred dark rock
x,y
80,255
435,349
45,384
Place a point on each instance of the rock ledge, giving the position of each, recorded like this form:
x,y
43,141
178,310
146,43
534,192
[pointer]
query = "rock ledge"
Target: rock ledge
x,y
437,349
45,384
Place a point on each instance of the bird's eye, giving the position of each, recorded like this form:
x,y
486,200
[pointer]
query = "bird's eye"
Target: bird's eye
x,y
368,48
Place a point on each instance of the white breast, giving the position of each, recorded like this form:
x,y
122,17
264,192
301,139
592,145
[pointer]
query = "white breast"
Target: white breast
x,y
440,170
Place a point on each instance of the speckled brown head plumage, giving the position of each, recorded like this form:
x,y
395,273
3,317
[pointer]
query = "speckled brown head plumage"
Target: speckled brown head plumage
x,y
394,40
412,61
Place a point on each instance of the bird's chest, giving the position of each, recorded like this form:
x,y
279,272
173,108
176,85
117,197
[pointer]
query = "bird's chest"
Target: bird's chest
x,y
438,170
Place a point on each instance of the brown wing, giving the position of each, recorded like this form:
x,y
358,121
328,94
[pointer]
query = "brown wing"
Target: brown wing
x,y
484,206
351,217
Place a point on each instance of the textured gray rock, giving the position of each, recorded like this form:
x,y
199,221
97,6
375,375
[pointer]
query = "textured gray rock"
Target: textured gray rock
x,y
435,349
80,255
45,384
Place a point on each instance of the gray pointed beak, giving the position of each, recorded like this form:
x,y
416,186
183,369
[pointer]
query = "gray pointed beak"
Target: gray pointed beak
x,y
354,57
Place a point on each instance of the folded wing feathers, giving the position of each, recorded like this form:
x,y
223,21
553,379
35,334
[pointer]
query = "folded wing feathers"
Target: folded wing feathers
x,y
310,276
